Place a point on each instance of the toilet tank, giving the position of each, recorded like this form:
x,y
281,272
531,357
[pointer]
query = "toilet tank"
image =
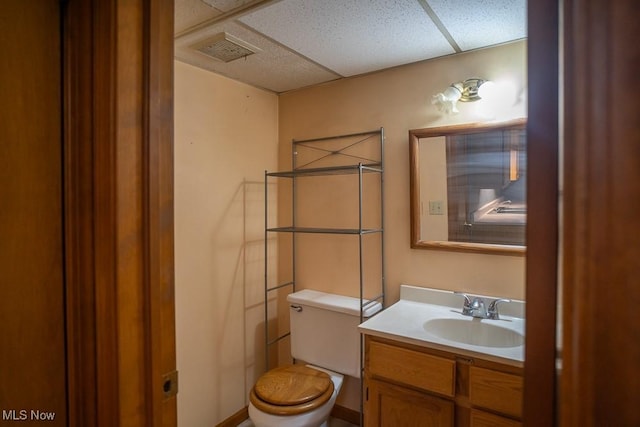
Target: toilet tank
x,y
324,330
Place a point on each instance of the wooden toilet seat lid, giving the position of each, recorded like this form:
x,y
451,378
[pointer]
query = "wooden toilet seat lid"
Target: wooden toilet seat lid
x,y
291,389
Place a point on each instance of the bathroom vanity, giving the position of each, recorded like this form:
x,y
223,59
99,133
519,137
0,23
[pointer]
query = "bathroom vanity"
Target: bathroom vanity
x,y
415,377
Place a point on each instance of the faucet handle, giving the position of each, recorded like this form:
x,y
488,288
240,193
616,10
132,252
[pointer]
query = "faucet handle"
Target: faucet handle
x,y
467,300
492,311
466,305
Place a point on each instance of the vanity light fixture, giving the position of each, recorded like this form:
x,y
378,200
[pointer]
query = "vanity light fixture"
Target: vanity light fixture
x,y
466,91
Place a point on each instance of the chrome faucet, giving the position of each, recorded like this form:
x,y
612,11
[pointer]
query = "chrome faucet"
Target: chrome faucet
x,y
492,311
476,307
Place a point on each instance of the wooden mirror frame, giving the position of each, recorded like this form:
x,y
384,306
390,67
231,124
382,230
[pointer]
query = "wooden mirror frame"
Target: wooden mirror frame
x,y
414,190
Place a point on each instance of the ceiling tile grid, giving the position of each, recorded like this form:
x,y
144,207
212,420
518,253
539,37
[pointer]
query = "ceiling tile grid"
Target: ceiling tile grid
x,y
191,12
274,68
307,42
352,37
475,24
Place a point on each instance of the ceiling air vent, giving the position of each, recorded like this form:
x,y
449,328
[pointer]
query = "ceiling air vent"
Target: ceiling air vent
x,y
225,47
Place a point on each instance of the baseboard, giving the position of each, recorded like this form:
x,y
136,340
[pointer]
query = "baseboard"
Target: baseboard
x,y
346,414
235,419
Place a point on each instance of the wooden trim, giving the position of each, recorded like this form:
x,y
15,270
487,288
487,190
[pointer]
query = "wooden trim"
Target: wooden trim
x,y
346,414
600,349
132,266
542,228
414,190
478,248
91,220
79,213
159,157
118,118
466,128
235,419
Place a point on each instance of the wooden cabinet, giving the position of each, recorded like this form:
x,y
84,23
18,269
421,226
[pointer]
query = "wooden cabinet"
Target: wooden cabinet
x,y
409,367
391,405
480,418
410,385
495,390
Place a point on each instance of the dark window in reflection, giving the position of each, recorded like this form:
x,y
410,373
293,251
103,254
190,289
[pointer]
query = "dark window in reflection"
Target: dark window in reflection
x,y
486,187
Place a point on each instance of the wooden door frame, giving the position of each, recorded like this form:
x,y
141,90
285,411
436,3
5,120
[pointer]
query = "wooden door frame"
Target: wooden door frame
x,y
539,407
598,381
118,136
600,376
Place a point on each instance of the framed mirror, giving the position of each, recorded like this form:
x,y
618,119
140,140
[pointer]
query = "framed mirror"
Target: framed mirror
x,y
468,188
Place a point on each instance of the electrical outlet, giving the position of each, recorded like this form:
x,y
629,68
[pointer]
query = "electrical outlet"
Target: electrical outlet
x,y
435,207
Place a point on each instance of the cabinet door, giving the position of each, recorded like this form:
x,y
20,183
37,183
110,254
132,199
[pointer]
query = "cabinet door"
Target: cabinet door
x,y
388,405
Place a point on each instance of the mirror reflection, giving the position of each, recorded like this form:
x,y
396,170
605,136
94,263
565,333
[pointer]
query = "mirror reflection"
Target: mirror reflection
x,y
468,188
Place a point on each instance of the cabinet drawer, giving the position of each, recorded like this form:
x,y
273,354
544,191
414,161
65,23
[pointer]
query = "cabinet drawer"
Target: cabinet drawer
x,y
484,419
413,368
495,390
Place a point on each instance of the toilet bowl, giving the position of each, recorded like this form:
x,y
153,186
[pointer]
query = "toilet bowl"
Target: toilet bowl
x,y
294,396
324,333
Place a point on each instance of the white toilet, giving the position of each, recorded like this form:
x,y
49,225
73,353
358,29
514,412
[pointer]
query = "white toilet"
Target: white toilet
x,y
324,333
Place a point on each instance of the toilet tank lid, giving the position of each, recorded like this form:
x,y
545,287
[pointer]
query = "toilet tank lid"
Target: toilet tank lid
x,y
339,303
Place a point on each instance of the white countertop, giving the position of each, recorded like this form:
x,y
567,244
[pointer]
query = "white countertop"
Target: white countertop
x,y
404,321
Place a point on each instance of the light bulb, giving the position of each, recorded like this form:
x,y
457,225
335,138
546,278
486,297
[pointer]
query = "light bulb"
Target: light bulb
x,y
487,90
452,94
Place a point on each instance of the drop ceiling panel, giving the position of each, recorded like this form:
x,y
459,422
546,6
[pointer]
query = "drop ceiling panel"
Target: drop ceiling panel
x,y
191,12
479,23
274,68
307,42
352,37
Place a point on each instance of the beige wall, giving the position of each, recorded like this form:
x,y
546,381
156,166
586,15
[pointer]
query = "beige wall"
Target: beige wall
x,y
225,137
398,100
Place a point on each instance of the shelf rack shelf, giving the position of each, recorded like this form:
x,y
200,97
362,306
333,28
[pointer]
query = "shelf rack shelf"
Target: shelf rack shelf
x,y
325,230
335,170
351,154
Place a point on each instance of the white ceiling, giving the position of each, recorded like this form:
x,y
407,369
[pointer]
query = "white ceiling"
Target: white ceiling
x,y
306,42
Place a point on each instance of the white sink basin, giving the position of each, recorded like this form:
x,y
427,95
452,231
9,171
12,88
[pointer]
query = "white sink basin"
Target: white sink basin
x,y
433,318
473,332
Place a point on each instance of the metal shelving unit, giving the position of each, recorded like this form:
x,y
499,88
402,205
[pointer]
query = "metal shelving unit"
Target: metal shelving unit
x,y
326,151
